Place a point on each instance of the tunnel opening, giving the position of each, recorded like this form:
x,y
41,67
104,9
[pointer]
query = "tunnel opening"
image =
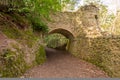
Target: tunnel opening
x,y
58,42
59,39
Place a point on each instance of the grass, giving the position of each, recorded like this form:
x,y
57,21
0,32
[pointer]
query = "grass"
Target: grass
x,y
16,27
40,55
13,64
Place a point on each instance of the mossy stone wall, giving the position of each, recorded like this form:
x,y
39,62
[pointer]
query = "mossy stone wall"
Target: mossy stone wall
x,y
102,51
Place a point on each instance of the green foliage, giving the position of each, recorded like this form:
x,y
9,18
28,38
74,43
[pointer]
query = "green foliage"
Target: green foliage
x,y
25,37
55,40
13,65
70,5
40,55
40,9
38,25
12,4
116,25
35,10
105,18
12,32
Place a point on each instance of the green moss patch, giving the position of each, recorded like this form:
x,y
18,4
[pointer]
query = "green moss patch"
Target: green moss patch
x,y
103,52
40,55
13,64
12,59
17,27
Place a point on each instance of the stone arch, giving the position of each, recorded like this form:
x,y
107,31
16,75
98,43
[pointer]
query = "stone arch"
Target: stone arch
x,y
64,32
68,34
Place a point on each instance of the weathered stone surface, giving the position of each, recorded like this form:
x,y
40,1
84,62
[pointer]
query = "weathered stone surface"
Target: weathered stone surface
x,y
76,25
84,21
86,39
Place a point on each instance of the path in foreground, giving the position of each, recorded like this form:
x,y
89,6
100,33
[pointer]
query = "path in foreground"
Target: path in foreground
x,y
60,64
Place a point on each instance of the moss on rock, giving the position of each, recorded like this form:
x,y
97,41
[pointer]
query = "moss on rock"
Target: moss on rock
x,y
19,46
13,64
40,55
104,52
17,27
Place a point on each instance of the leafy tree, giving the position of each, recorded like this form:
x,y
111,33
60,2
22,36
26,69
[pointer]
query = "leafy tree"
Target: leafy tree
x,y
55,40
36,10
71,4
40,9
116,25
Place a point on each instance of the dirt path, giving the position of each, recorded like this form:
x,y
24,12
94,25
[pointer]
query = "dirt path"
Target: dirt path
x,y
61,64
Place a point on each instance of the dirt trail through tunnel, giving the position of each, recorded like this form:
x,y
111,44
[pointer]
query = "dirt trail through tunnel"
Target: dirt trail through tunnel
x,y
60,64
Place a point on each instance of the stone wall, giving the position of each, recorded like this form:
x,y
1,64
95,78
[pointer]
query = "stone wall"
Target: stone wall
x,y
102,51
83,21
88,42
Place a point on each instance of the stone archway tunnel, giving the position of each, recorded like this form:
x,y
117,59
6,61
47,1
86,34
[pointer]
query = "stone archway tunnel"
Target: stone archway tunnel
x,y
76,26
87,42
65,33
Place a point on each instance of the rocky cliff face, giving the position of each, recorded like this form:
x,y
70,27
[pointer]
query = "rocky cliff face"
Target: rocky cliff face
x,y
20,48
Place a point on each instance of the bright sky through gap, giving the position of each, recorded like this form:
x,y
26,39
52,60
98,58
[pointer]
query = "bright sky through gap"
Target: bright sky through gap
x,y
113,5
